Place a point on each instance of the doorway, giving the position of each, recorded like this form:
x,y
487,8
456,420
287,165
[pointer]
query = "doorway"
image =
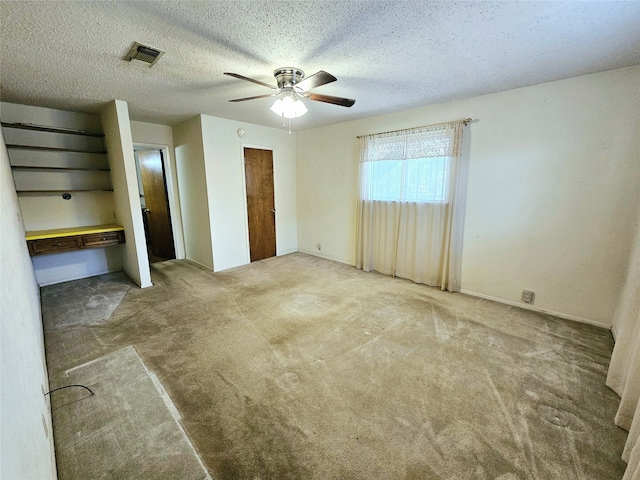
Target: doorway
x,y
261,211
154,203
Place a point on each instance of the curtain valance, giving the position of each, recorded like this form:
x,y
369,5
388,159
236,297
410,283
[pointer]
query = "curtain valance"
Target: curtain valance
x,y
424,142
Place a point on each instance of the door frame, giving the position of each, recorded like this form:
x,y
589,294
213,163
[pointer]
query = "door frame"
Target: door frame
x,y
173,197
272,149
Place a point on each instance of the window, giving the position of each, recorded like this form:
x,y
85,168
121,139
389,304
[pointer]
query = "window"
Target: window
x,y
415,180
410,166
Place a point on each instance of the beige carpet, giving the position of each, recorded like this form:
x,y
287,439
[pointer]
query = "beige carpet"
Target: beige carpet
x,y
126,429
299,367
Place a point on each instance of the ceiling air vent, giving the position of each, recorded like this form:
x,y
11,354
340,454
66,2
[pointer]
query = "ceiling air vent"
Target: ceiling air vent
x,y
144,54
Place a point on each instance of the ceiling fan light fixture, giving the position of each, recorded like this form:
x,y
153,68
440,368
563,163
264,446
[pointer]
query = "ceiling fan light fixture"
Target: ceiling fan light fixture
x,y
292,85
289,107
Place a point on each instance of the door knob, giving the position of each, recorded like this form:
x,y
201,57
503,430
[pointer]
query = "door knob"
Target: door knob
x,y
146,210
273,210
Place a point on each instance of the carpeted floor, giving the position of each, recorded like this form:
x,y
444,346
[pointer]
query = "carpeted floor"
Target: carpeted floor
x,y
302,368
121,425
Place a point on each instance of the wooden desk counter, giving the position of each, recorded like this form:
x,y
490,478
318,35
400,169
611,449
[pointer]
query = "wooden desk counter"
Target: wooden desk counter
x,y
41,242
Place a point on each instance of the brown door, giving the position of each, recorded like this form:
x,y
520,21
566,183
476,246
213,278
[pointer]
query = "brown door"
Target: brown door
x,y
261,213
156,214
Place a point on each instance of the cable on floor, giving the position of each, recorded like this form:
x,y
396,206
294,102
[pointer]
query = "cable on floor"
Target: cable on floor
x,y
69,386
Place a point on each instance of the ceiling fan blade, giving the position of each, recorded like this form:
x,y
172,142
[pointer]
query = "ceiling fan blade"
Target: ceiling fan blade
x,y
344,102
316,80
252,98
242,77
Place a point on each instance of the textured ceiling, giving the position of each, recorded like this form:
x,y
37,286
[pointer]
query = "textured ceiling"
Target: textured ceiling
x,y
388,55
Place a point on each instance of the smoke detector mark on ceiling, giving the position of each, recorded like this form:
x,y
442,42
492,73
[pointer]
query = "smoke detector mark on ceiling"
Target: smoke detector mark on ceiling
x,y
143,53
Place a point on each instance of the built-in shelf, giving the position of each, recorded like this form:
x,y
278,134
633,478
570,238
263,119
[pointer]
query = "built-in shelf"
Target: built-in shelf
x,y
52,149
57,192
32,168
27,187
42,128
43,171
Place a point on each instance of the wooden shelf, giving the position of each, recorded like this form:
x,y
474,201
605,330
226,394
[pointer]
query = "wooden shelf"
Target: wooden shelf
x,y
32,168
42,128
51,149
57,192
87,163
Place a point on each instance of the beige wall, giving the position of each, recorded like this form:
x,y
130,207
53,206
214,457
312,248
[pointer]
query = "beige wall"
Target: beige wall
x,y
26,436
117,130
192,184
554,189
224,155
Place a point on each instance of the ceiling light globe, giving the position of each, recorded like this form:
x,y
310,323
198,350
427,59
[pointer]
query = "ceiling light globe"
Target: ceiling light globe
x,y
289,107
299,108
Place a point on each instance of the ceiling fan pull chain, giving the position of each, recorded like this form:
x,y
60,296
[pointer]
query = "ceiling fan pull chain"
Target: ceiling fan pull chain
x,y
289,126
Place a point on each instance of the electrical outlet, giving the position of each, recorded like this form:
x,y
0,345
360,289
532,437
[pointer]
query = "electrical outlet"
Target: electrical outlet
x,y
528,296
318,246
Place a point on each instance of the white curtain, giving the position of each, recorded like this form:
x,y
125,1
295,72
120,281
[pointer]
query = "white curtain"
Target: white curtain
x,y
411,204
624,369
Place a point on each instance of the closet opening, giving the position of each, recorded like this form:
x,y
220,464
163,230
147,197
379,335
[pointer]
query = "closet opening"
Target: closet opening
x,y
154,202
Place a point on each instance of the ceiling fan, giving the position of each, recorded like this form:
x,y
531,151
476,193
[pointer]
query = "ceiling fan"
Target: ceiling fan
x,y
292,86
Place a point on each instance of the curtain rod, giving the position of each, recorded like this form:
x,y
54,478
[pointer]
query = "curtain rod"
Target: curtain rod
x,y
465,121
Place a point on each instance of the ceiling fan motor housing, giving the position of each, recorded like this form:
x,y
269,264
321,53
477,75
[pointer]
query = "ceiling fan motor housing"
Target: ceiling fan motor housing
x,y
288,76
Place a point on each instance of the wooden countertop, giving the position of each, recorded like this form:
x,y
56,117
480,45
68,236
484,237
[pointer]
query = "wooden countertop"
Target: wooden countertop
x,y
70,232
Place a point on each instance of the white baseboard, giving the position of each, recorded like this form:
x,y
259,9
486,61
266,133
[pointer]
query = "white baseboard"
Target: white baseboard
x,y
535,309
198,263
133,279
315,253
80,277
286,252
614,333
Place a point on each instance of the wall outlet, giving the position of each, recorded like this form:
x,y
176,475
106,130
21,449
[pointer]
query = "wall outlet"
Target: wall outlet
x,y
319,246
528,296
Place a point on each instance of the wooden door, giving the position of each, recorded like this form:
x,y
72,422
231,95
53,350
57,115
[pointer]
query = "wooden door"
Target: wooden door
x,y
261,213
157,215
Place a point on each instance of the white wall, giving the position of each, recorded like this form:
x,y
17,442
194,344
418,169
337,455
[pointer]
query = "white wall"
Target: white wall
x,y
192,185
117,130
51,211
161,136
26,436
224,158
554,188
